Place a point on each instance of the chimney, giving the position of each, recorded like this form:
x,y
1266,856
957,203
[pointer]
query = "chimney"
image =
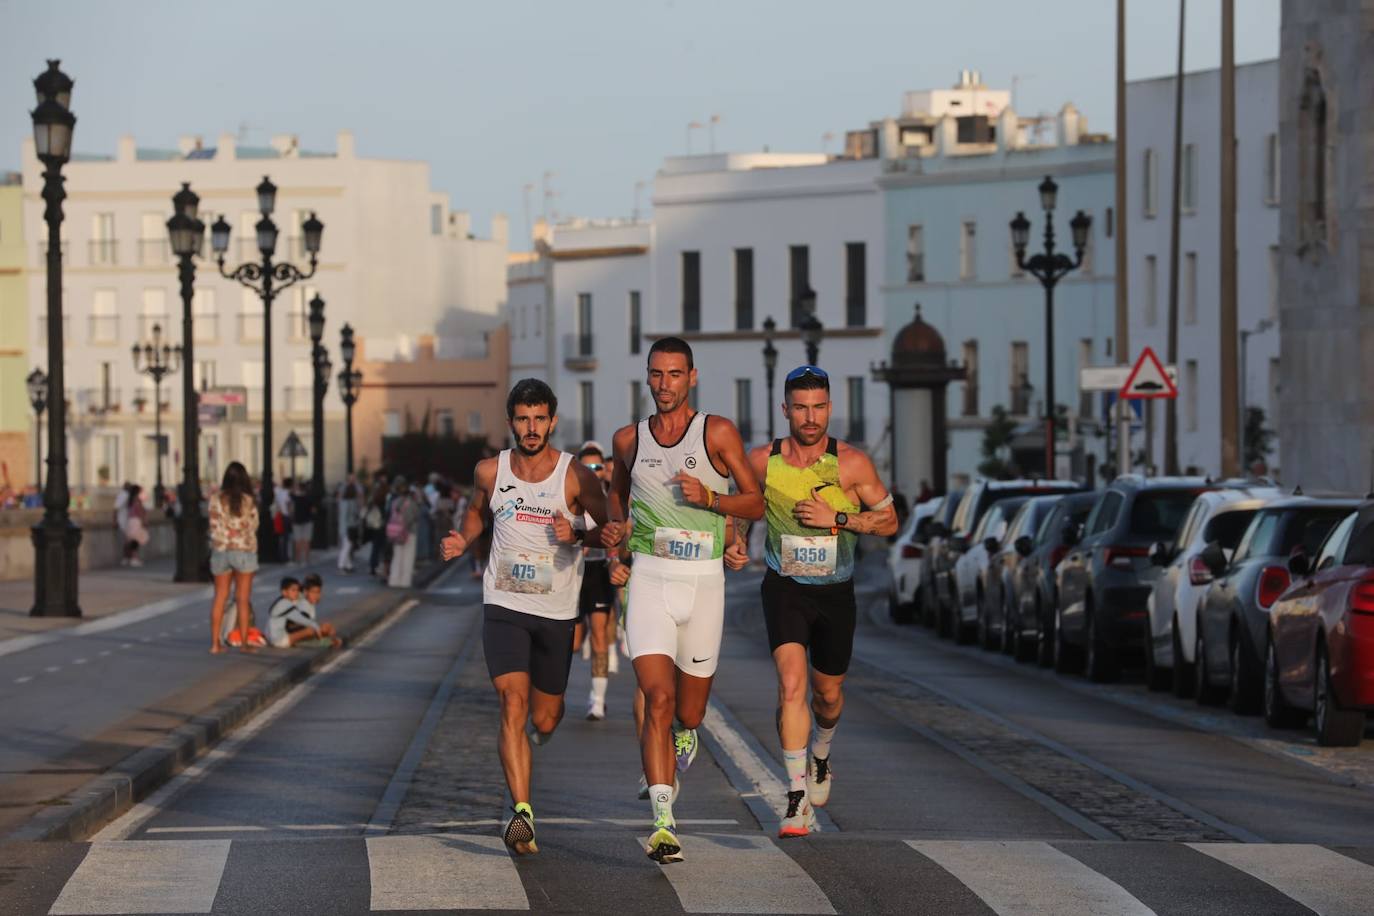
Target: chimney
x,y
1008,129
286,145
228,148
889,140
188,143
500,228
1069,124
343,144
128,151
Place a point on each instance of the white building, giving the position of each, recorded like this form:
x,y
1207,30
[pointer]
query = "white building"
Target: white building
x,y
395,263
1150,110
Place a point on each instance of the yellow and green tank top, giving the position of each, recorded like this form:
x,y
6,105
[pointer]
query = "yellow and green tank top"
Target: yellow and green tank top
x,y
811,556
664,525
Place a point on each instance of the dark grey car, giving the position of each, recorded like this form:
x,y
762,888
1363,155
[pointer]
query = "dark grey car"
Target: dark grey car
x,y
997,591
1233,617
1034,586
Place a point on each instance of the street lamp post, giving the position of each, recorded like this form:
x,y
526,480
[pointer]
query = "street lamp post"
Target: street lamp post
x,y
1264,325
350,386
811,328
56,538
37,384
267,279
186,232
319,358
157,359
770,367
1049,267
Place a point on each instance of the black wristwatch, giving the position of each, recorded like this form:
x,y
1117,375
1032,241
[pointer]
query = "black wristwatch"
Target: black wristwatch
x,y
841,519
580,535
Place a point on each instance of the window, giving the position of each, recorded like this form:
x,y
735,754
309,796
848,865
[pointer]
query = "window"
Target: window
x,y
1109,223
1088,251
915,254
968,261
108,396
1274,282
970,378
102,238
587,408
204,317
744,409
1151,309
104,316
436,219
1271,169
252,453
1274,389
1104,514
799,269
744,289
154,312
1312,153
1334,546
391,423
691,291
204,377
250,376
1189,178
443,423
1085,359
539,319
1190,395
1149,168
474,422
584,324
636,401
635,332
854,403
1020,378
855,284
107,450
153,247
1190,287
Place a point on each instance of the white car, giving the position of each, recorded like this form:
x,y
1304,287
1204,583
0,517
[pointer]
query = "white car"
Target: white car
x,y
1219,516
968,569
906,559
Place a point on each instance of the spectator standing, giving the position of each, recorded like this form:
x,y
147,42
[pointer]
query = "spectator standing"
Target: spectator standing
x,y
233,550
303,512
350,516
402,522
135,526
281,518
374,526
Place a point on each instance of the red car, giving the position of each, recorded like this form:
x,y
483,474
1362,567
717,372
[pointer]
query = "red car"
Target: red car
x,y
1320,654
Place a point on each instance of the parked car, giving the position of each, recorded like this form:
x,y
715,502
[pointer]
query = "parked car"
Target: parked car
x,y
928,607
997,589
906,558
1320,651
985,540
1216,517
1105,578
1035,591
1233,619
954,538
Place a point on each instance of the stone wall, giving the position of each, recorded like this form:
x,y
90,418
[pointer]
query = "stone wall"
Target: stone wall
x,y
100,542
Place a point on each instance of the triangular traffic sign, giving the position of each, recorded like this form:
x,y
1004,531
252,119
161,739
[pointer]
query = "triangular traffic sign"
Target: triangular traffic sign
x,y
1148,379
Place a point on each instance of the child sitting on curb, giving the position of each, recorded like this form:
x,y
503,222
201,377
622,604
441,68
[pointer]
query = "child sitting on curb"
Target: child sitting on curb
x,y
292,619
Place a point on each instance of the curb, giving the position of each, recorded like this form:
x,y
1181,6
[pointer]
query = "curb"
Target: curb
x,y
100,800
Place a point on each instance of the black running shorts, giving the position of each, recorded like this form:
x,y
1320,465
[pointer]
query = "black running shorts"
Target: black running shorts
x,y
597,595
539,647
818,617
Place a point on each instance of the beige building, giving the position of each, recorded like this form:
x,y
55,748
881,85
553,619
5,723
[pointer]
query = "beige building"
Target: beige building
x,y
16,416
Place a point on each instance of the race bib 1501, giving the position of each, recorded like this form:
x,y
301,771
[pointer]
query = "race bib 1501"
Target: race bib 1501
x,y
681,544
809,556
524,573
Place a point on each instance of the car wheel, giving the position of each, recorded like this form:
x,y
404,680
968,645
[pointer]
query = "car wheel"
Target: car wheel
x,y
1183,672
898,612
1277,712
1011,632
1335,725
963,633
1206,692
1045,631
941,617
1244,698
1101,663
984,628
1157,677
1065,655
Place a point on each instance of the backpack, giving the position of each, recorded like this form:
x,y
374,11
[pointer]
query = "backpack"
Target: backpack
x,y
396,526
373,518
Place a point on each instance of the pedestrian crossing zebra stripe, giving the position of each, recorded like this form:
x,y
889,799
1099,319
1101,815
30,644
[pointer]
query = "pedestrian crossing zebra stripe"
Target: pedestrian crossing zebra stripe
x,y
742,873
452,872
1321,879
153,876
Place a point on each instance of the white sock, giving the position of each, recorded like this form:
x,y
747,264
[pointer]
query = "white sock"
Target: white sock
x,y
599,689
661,798
820,741
795,762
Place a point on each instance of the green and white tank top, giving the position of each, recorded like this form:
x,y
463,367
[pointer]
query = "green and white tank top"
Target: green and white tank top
x,y
529,571
666,526
811,556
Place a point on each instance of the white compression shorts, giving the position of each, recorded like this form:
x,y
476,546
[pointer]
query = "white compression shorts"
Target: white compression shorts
x,y
677,608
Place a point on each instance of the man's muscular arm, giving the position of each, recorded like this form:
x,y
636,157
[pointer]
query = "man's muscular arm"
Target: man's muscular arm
x,y
622,452
474,520
586,495
723,443
857,469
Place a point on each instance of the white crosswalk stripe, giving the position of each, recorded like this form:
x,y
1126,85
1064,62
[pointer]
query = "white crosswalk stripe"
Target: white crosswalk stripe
x,y
450,872
742,873
1030,878
151,876
1321,879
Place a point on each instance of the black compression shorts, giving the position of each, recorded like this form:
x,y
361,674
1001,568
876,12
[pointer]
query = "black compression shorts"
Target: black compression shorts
x,y
537,646
597,595
818,617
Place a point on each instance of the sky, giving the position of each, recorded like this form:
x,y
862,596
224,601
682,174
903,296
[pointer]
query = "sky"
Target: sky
x,y
594,92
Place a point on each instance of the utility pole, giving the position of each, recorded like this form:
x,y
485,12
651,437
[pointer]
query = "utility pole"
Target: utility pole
x,y
1171,408
1229,324
1123,324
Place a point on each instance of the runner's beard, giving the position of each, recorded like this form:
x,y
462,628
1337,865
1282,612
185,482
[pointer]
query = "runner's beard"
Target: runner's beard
x,y
528,452
809,437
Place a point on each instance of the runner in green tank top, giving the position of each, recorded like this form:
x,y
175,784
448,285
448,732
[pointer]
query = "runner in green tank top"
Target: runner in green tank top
x,y
815,488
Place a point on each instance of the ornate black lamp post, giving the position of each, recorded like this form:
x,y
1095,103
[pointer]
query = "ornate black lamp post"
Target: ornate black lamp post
x,y
56,538
811,328
157,359
350,385
187,233
37,384
770,367
319,358
267,279
1049,267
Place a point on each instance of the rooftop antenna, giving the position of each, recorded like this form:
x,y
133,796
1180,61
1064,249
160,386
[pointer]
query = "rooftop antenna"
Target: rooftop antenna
x,y
529,223
711,134
691,126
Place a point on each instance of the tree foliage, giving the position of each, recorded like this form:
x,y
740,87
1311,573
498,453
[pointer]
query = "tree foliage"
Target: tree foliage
x,y
996,447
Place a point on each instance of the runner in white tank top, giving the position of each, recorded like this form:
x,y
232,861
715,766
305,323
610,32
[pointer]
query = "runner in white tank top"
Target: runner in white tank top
x,y
672,477
534,497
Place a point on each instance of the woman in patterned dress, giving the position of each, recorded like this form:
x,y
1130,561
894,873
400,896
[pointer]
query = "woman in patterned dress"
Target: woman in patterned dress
x,y
233,550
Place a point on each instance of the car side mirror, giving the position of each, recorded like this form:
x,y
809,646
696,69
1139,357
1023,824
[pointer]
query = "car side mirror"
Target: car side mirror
x,y
939,530
1159,553
1214,558
991,545
1299,564
1024,545
1073,533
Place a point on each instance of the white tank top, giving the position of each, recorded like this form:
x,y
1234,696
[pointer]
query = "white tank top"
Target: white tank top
x,y
665,525
529,571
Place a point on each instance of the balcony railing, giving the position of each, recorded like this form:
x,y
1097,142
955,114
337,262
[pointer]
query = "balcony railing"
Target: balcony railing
x,y
102,251
297,327
205,328
299,399
154,251
1020,400
250,327
146,322
104,329
579,352
97,400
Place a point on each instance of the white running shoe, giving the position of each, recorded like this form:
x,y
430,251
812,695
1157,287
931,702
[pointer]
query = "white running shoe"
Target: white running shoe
x,y
596,710
818,781
799,820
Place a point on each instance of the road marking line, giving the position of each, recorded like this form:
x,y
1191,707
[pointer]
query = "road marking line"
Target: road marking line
x,y
454,872
1030,878
1320,879
347,590
585,822
104,652
765,784
53,669
79,661
23,680
147,877
111,622
742,873
127,824
163,635
126,645
236,829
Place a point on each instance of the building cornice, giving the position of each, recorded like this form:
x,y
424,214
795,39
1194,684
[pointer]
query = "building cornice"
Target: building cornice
x,y
780,334
995,171
792,193
586,254
160,194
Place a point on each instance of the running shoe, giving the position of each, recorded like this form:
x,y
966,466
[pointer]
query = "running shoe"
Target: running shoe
x,y
818,780
799,818
596,711
684,747
663,846
519,834
537,738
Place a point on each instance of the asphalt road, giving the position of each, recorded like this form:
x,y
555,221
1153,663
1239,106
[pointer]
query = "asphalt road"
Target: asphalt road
x,y
964,784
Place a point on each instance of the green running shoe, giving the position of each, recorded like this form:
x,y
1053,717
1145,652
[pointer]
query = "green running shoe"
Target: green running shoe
x,y
519,834
663,846
684,747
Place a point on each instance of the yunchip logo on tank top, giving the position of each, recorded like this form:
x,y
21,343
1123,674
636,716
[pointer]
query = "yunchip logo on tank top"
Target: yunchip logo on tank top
x,y
517,510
